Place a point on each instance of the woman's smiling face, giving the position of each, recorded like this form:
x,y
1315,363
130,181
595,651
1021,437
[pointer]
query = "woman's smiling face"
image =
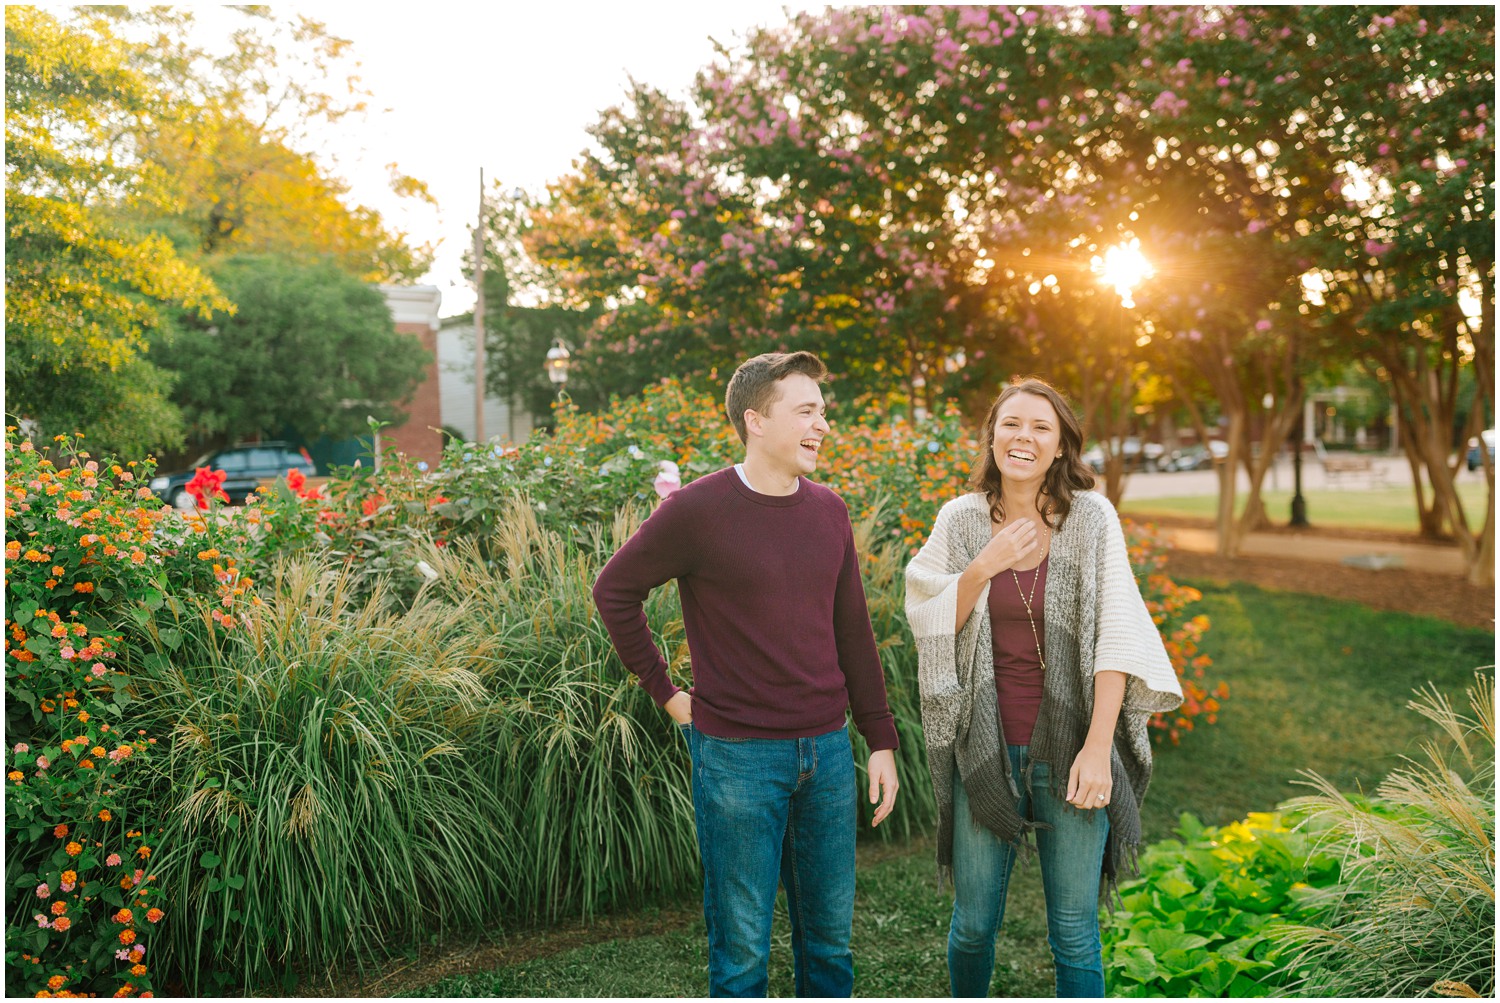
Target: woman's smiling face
x,y
1027,438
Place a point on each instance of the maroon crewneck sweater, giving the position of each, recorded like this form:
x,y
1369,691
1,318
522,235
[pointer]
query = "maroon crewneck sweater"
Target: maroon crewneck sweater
x,y
773,607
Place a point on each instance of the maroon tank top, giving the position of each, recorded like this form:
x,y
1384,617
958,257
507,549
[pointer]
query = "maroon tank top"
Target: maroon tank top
x,y
1018,670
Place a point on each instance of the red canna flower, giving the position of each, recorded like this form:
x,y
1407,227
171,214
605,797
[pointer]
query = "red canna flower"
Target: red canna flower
x,y
207,483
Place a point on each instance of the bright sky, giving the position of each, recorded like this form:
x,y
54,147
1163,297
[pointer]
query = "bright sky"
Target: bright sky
x,y
507,87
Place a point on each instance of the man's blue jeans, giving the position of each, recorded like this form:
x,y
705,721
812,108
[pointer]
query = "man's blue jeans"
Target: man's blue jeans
x,y
769,810
1071,853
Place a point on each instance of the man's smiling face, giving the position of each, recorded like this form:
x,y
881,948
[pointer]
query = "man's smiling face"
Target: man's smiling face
x,y
792,428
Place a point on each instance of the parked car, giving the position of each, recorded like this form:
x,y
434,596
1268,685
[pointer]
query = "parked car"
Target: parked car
x,y
1138,456
1197,456
1488,438
244,465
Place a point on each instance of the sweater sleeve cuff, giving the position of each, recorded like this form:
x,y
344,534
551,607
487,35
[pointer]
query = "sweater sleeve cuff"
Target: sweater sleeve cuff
x,y
660,686
880,735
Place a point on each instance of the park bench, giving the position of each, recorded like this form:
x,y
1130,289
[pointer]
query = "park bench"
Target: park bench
x,y
1339,468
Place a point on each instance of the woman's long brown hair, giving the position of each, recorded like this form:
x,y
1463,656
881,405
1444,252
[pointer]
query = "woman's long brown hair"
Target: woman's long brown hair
x,y
1068,473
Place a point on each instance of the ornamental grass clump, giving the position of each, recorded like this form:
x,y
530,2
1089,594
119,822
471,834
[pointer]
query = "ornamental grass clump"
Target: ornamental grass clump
x,y
321,795
595,776
884,570
1415,913
348,776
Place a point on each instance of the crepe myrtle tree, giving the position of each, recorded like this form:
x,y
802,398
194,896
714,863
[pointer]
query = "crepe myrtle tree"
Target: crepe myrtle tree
x,y
895,185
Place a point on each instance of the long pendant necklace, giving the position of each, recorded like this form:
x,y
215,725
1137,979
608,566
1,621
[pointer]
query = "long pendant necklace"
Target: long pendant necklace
x,y
1027,600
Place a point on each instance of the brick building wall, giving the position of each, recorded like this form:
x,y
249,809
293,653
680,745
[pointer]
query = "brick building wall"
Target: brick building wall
x,y
415,311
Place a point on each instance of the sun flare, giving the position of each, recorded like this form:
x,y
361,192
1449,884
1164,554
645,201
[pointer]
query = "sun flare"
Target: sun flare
x,y
1124,267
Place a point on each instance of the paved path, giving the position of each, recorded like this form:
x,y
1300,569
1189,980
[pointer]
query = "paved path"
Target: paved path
x,y
1435,558
1388,472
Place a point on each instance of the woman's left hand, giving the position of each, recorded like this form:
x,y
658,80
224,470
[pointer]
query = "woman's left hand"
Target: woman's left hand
x,y
1089,783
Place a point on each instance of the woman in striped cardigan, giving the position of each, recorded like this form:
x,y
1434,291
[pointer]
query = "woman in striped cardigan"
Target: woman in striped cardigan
x,y
1039,666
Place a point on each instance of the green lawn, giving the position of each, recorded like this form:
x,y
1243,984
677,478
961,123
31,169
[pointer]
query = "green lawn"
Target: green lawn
x,y
1316,684
1385,508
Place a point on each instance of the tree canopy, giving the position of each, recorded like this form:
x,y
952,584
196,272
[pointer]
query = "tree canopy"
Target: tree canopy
x,y
927,196
136,161
309,348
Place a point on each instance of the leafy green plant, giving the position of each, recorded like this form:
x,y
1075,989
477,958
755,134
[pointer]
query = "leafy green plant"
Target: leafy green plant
x,y
1198,921
1415,911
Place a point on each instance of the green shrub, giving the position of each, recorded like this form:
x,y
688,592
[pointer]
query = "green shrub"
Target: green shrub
x,y
1199,920
1415,912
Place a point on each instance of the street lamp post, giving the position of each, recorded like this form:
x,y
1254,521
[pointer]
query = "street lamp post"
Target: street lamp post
x,y
558,360
1299,503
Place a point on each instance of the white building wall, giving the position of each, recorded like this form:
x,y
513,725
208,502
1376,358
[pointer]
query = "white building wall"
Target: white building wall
x,y
455,365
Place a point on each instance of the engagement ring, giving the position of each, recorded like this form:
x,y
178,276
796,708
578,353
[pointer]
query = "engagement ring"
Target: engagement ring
x,y
1101,797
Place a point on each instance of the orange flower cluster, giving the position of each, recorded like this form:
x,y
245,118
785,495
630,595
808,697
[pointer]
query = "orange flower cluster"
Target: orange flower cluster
x,y
1167,602
77,533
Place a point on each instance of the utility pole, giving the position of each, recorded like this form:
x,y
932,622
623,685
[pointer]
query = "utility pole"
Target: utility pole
x,y
479,435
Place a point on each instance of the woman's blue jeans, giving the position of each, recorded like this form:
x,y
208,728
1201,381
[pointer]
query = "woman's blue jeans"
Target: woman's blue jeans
x,y
769,811
1071,852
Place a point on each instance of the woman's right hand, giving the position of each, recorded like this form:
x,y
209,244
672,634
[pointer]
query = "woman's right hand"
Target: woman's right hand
x,y
1007,548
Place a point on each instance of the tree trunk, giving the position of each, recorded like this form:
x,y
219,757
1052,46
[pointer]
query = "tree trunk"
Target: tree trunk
x,y
1279,423
1114,477
1229,540
1482,567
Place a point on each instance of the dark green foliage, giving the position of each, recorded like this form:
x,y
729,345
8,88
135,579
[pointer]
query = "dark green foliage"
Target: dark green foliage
x,y
1198,920
308,348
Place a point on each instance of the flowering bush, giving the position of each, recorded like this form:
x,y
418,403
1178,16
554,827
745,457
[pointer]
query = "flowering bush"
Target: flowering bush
x,y
595,463
1180,632
80,536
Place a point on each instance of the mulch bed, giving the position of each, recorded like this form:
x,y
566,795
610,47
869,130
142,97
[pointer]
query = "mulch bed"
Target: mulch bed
x,y
1445,597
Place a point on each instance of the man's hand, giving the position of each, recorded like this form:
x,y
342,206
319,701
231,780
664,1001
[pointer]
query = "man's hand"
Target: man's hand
x,y
680,706
882,771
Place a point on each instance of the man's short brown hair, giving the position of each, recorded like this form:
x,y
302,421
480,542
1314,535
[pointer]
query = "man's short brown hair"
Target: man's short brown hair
x,y
753,385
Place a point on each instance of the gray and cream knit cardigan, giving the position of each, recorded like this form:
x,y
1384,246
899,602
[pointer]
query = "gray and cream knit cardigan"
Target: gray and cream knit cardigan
x,y
1095,619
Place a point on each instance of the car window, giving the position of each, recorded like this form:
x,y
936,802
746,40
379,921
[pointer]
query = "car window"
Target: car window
x,y
291,458
232,463
265,459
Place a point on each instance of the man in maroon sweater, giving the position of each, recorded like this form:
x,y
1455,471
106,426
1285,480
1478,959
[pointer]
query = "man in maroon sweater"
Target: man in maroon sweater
x,y
782,648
